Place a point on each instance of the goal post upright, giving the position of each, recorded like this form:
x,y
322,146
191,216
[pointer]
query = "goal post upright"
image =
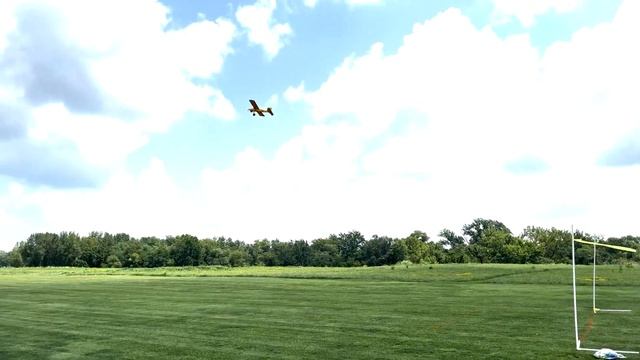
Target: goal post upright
x,y
594,278
575,307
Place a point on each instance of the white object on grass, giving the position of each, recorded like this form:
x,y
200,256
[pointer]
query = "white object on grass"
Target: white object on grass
x,y
608,354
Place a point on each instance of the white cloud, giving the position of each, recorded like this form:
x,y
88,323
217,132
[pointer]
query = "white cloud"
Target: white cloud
x,y
363,2
526,11
416,139
84,83
351,3
293,94
484,101
310,3
222,108
272,101
92,135
198,60
257,19
129,203
485,87
7,23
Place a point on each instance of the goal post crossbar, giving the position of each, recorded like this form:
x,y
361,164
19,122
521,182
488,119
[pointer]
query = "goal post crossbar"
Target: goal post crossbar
x,y
617,247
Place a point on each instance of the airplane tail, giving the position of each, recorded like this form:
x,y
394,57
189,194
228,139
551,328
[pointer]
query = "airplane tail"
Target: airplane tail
x,y
269,111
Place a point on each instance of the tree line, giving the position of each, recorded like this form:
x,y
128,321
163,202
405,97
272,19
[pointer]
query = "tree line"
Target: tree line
x,y
482,241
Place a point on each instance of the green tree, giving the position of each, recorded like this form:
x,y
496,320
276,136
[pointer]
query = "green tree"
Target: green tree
x,y
552,245
68,249
79,263
112,261
398,252
105,246
15,258
377,251
301,253
121,237
32,250
417,248
89,250
157,255
455,247
260,253
220,256
487,239
282,253
131,253
478,227
349,245
186,250
324,252
53,252
450,239
208,251
4,259
435,254
237,257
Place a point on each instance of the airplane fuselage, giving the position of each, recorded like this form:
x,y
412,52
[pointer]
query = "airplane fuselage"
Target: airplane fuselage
x,y
256,110
261,111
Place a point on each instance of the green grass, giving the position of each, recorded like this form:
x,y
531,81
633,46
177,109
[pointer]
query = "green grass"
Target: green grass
x,y
442,311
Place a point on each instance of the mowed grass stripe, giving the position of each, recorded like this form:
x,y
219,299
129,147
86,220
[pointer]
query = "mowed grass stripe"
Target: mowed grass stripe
x,y
135,317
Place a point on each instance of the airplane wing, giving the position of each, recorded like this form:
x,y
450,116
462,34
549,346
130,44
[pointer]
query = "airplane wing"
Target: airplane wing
x,y
255,106
260,112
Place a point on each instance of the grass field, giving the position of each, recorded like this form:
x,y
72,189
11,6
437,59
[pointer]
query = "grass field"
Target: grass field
x,y
432,312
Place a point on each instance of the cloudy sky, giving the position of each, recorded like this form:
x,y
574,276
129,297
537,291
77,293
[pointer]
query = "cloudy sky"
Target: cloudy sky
x,y
390,116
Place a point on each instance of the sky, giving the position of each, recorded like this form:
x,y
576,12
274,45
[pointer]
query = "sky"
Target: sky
x,y
390,116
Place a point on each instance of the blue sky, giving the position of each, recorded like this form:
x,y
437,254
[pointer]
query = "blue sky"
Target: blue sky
x,y
324,36
390,116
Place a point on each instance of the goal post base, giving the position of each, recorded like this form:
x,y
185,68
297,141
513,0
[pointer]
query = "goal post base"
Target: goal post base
x,y
618,351
596,310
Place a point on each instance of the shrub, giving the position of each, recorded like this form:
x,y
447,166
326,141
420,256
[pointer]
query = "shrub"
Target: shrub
x,y
112,261
79,263
406,263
